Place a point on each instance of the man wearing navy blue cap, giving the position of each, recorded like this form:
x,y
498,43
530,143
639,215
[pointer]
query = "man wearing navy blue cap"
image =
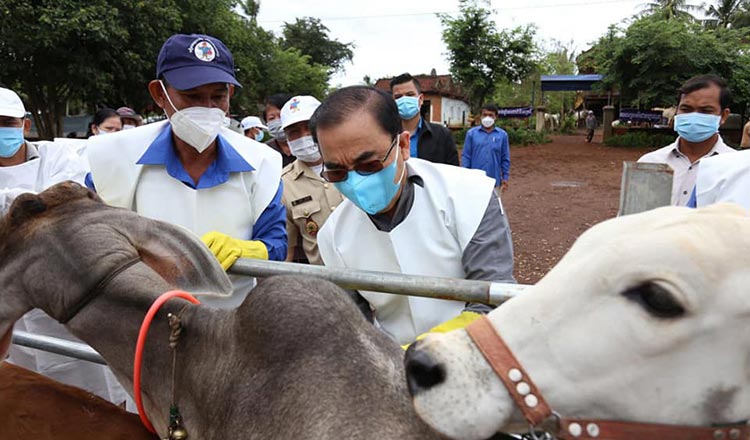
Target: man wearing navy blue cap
x,y
191,170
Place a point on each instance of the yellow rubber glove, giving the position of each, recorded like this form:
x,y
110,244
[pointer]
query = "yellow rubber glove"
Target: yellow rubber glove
x,y
459,322
228,249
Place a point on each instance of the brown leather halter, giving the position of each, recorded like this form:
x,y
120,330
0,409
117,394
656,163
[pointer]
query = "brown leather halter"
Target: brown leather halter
x,y
536,410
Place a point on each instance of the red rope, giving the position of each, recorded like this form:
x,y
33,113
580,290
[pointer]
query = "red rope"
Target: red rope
x,y
139,349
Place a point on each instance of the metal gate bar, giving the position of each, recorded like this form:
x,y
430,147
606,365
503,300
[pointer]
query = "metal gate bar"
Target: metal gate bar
x,y
431,287
58,346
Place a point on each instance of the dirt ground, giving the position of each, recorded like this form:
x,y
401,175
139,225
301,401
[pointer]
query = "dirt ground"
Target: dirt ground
x,y
556,192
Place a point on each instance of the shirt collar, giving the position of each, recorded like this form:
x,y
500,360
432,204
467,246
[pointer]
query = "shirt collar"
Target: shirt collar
x,y
712,152
299,169
31,151
228,160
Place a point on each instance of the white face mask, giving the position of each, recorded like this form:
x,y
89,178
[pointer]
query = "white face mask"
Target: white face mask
x,y
198,126
488,121
127,127
305,149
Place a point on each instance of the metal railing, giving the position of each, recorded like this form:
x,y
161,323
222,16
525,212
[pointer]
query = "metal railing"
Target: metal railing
x,y
431,287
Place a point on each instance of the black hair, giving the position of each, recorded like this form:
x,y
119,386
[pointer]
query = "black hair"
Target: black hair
x,y
278,100
348,101
405,78
100,116
704,81
490,107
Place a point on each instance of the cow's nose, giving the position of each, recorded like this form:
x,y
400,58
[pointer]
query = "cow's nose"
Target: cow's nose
x,y
422,371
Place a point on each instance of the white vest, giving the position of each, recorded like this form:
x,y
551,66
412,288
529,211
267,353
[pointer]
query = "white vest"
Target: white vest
x,y
231,208
431,240
724,178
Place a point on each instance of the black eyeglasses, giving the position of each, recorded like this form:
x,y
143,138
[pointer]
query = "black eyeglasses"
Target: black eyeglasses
x,y
364,169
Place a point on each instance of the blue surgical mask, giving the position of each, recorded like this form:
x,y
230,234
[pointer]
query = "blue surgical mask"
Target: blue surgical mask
x,y
11,139
696,127
259,136
374,192
408,106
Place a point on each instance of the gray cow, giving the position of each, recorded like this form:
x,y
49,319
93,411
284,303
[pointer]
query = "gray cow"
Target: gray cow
x,y
296,360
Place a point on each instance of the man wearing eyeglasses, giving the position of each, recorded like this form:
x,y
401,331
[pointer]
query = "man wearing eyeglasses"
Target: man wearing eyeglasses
x,y
405,215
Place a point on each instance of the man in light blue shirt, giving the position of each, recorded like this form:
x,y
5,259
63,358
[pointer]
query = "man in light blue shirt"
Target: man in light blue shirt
x,y
486,148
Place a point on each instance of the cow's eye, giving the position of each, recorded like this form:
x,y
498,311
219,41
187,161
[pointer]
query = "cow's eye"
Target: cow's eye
x,y
656,299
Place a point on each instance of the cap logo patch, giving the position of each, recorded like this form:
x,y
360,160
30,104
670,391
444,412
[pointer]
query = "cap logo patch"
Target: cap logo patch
x,y
294,106
205,51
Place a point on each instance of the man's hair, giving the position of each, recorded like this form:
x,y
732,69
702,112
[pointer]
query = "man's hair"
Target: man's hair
x,y
343,103
704,81
278,100
490,107
405,78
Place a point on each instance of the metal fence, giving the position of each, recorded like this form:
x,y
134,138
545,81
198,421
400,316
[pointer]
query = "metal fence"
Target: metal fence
x,y
431,287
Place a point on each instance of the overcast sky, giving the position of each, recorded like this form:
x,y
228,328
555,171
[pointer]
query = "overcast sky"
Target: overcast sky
x,y
396,36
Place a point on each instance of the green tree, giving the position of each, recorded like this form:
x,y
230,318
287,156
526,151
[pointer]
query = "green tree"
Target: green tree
x,y
97,51
670,9
310,36
725,13
480,56
650,59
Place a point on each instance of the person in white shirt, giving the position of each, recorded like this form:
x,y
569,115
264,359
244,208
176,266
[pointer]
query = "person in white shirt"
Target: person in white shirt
x,y
31,167
703,107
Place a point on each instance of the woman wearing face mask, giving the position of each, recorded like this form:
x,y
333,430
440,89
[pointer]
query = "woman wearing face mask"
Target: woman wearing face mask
x,y
272,115
106,120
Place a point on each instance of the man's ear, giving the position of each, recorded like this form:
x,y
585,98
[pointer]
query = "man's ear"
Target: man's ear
x,y
231,90
724,116
157,93
404,143
421,102
26,126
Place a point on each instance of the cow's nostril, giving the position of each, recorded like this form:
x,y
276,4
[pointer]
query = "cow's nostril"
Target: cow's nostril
x,y
422,372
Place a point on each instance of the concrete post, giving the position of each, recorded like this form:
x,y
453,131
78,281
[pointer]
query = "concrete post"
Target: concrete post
x,y
644,186
540,118
607,119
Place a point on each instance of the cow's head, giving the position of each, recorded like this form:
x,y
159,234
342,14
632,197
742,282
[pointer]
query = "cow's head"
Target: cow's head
x,y
647,318
59,247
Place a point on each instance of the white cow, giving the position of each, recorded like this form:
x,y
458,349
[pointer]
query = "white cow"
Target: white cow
x,y
647,319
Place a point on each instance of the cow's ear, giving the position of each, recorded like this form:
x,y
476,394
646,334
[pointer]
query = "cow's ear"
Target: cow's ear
x,y
179,257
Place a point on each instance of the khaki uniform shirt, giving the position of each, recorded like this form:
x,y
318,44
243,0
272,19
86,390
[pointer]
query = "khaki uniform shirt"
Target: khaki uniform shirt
x,y
309,200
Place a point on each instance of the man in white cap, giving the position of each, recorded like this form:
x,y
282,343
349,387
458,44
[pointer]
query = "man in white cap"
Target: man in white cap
x,y
253,128
31,167
26,166
192,171
309,199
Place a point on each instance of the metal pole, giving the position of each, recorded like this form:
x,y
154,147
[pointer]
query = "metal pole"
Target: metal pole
x,y
58,346
431,287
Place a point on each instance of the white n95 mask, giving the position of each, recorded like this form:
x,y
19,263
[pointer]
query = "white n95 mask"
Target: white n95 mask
x,y
198,126
305,149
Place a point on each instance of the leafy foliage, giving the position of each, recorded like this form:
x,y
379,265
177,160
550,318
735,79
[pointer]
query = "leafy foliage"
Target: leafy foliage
x,y
638,139
310,36
480,56
650,59
97,52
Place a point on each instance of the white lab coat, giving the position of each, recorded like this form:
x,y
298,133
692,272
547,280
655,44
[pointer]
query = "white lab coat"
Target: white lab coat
x,y
431,240
231,208
724,178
